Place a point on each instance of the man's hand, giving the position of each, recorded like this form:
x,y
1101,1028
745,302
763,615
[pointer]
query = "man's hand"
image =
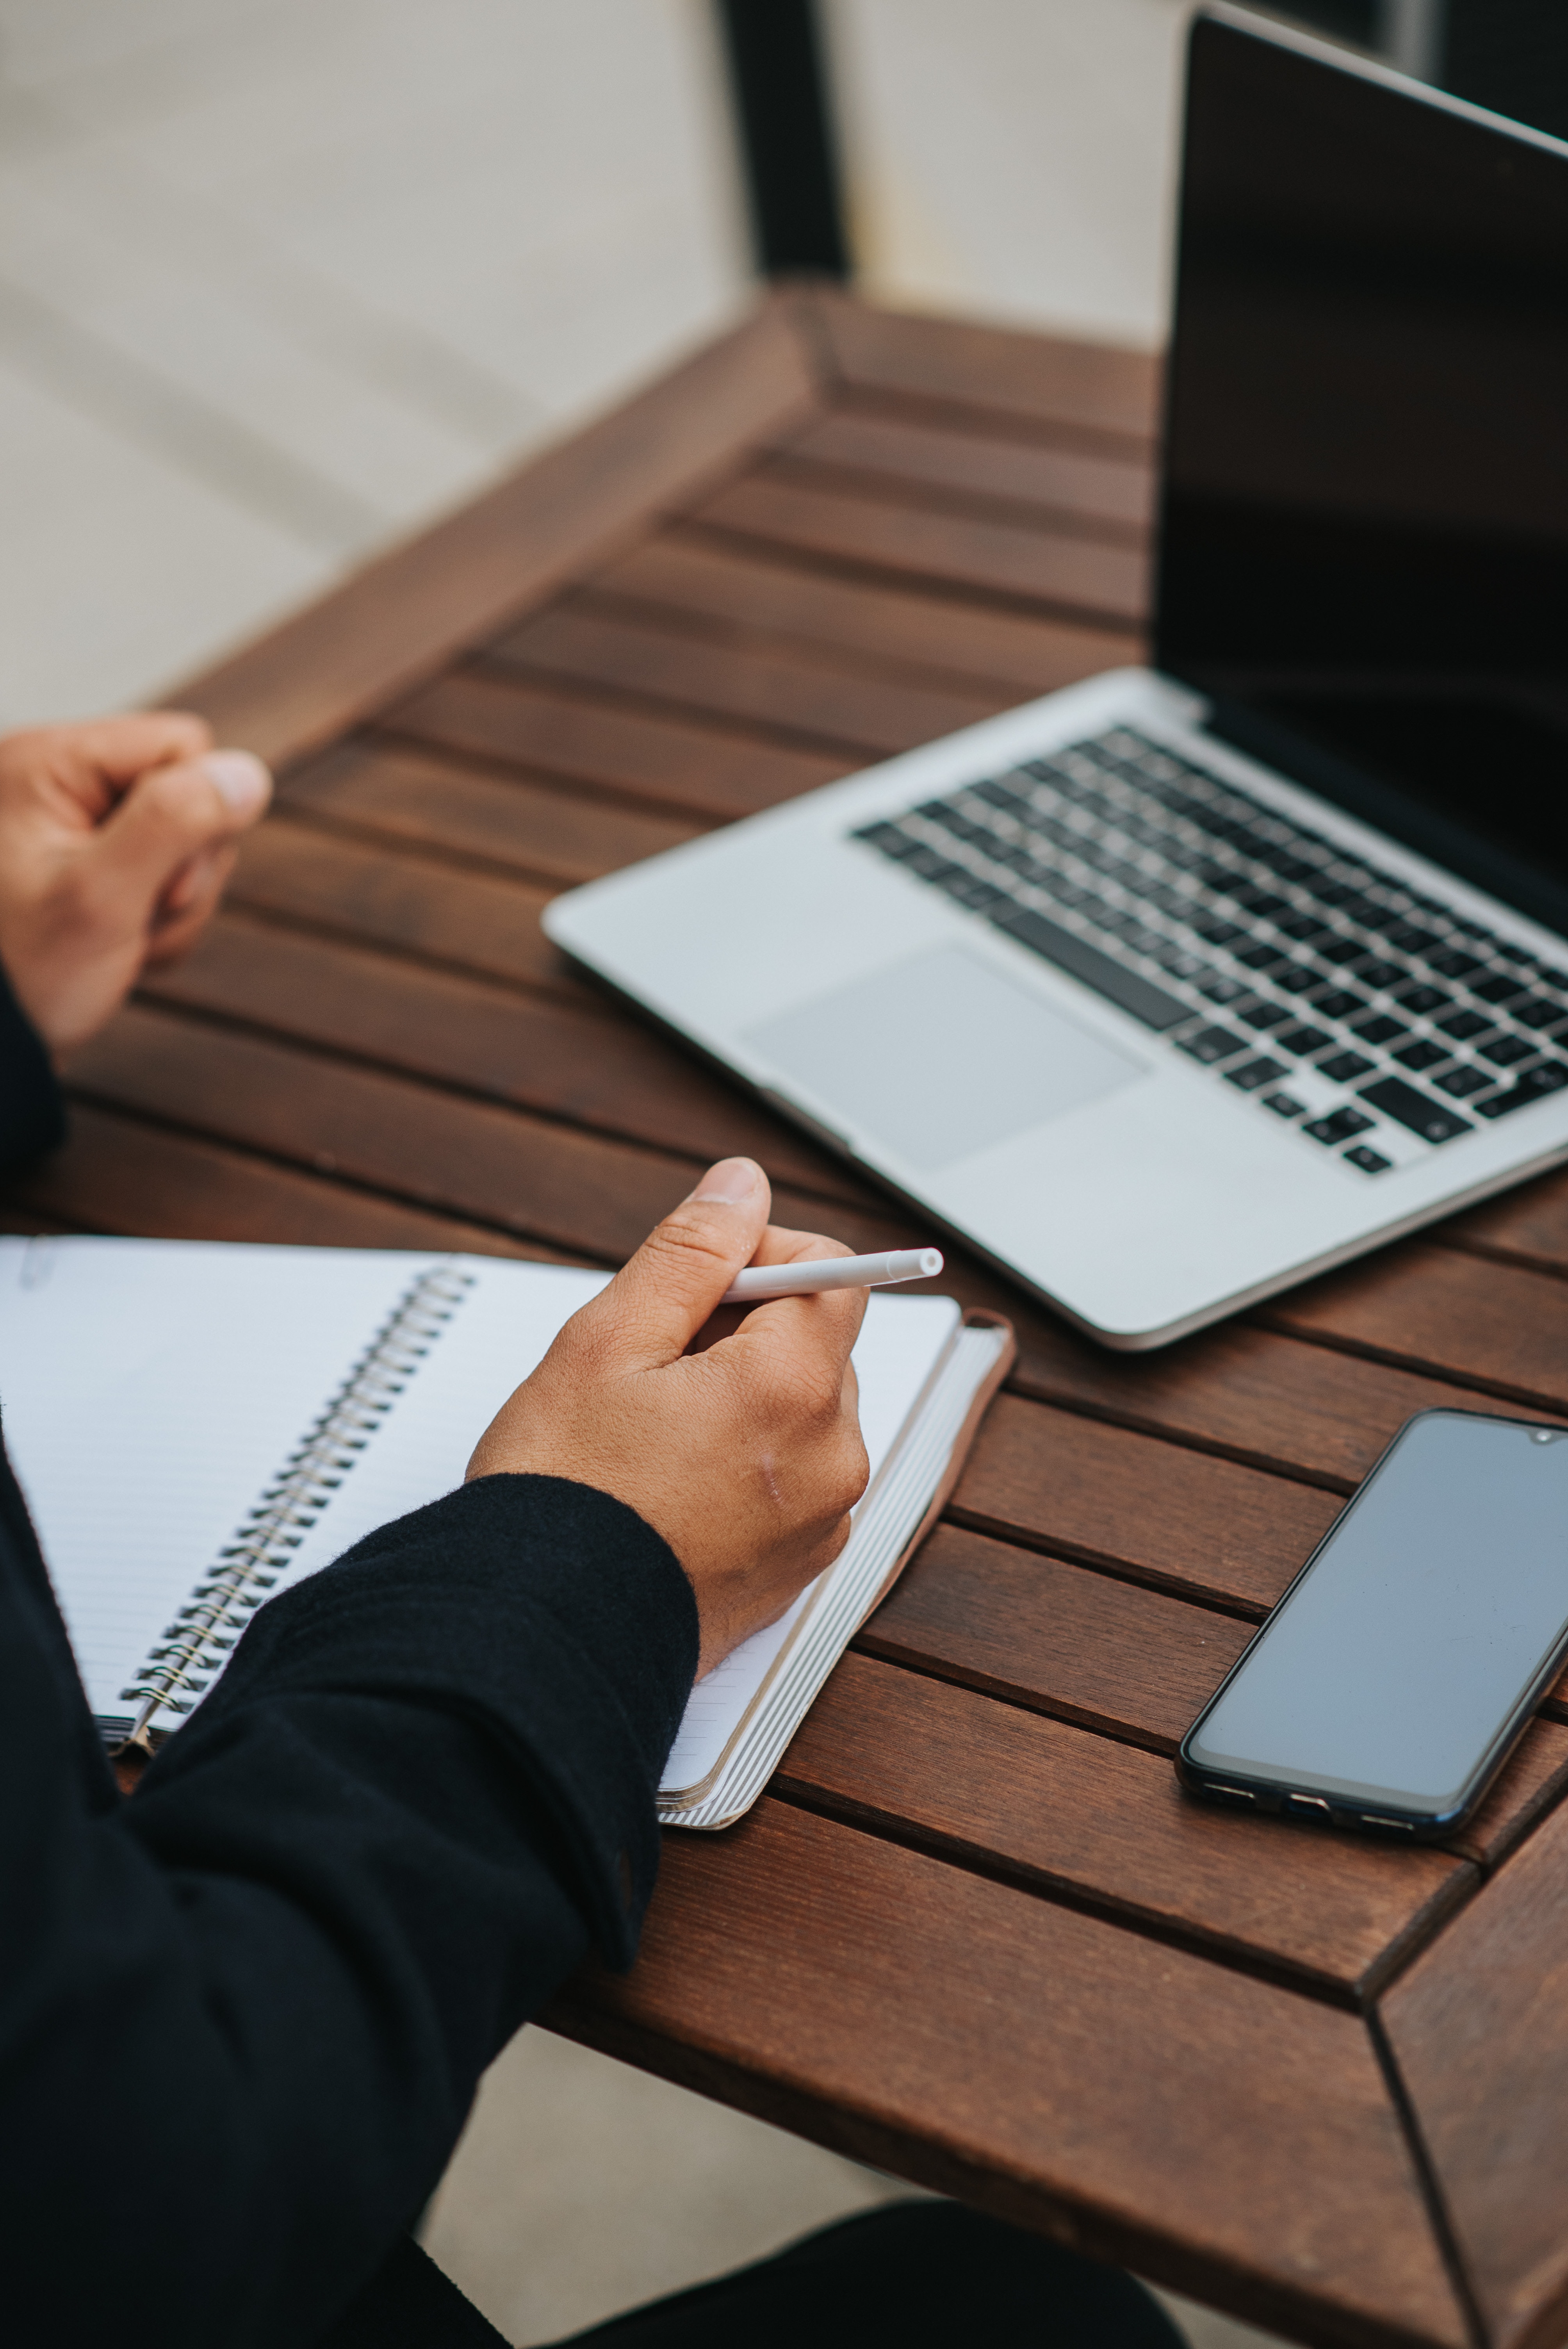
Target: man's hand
x,y
116,839
746,1456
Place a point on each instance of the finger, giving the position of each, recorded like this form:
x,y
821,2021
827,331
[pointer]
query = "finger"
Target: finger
x,y
778,1245
192,882
658,1301
188,906
88,766
173,815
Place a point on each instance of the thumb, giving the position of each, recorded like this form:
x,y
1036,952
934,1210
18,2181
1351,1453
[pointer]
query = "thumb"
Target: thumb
x,y
172,813
656,1303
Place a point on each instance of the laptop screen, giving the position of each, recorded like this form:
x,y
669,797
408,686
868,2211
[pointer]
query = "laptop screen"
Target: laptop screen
x,y
1364,550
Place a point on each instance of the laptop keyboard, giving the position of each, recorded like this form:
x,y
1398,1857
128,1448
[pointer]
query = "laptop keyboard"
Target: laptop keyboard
x,y
1256,945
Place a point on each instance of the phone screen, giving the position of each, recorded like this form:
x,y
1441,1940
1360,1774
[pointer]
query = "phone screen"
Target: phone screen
x,y
1393,1663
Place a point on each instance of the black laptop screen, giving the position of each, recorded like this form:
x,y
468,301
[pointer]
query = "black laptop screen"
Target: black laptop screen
x,y
1364,548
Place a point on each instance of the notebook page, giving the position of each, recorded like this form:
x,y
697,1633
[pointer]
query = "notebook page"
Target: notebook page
x,y
149,1389
902,1340
495,1338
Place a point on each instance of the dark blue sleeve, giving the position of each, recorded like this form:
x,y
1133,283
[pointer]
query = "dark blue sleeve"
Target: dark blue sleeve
x,y
243,2028
32,1114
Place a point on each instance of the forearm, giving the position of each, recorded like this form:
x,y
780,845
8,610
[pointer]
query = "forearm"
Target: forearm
x,y
423,1790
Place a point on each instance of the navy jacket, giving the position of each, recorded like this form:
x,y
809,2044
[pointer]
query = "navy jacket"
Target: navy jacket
x,y
242,2015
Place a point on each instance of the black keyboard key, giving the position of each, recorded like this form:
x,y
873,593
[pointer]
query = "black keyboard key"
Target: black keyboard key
x,y
1423,1054
1537,1011
1507,1049
1220,989
1464,1024
1219,933
1453,963
1422,998
1337,951
1259,958
1338,1126
1179,962
1462,1083
1411,940
1379,1031
1498,987
1294,979
1303,926
1211,1044
1266,1015
1145,1002
979,895
1380,975
1346,1067
1254,1073
1423,1116
1370,1161
932,865
1339,1003
1512,953
1536,1084
1001,795
1260,903
1285,1105
1302,1041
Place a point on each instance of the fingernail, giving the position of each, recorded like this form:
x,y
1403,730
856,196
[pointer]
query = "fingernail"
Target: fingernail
x,y
731,1181
240,776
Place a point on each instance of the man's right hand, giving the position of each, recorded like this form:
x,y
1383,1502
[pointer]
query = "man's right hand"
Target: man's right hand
x,y
746,1457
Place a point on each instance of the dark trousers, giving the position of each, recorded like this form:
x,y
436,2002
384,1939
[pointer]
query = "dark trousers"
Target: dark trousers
x,y
914,2275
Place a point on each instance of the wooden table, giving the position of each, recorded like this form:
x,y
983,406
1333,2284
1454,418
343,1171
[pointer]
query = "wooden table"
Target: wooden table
x,y
973,1934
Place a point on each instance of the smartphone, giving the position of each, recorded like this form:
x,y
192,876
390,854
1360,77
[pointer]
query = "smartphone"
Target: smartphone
x,y
1388,1684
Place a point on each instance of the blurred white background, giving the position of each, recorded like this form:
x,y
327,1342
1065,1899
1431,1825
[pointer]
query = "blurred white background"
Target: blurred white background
x,y
281,279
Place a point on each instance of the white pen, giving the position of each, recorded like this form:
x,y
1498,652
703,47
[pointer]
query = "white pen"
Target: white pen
x,y
758,1282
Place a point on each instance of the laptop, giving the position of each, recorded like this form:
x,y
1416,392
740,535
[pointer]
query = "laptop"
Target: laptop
x,y
1175,987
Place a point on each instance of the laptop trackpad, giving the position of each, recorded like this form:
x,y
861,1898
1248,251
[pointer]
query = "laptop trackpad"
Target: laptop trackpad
x,y
940,1057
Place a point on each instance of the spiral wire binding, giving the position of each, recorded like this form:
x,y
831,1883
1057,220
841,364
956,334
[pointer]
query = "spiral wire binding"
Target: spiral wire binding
x,y
196,1644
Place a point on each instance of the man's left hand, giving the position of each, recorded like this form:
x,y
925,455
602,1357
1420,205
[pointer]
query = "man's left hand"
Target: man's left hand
x,y
116,839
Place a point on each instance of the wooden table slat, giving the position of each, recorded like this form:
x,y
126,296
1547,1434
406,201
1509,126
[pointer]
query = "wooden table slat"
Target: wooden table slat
x,y
1182,1520
1056,386
1502,1325
429,803
1074,573
1116,494
668,764
788,693
893,630
371,892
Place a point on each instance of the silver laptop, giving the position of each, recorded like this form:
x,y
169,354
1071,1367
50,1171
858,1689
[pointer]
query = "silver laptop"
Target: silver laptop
x,y
1175,987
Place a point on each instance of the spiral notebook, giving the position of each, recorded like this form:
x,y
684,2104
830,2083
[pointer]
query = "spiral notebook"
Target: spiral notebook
x,y
197,1425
